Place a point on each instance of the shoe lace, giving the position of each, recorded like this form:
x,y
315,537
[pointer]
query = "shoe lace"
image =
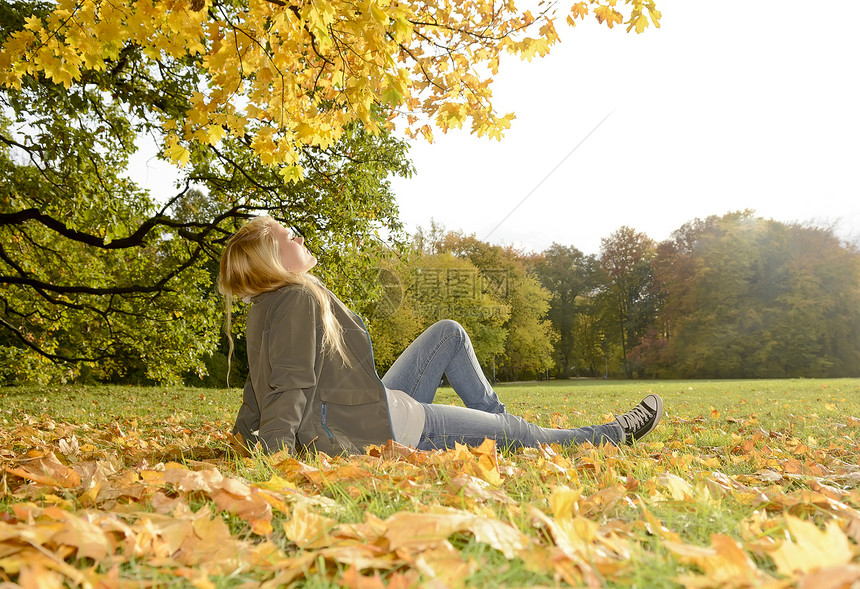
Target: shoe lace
x,y
635,418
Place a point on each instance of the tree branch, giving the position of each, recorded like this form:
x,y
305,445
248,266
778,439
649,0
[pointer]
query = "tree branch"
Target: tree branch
x,y
25,279
135,239
54,357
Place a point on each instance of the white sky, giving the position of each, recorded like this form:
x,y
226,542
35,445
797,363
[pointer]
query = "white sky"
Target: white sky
x,y
729,105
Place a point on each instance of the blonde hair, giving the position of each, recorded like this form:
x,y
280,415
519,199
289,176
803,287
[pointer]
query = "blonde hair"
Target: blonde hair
x,y
251,265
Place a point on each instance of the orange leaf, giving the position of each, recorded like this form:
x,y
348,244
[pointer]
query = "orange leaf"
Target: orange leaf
x,y
353,579
47,470
837,577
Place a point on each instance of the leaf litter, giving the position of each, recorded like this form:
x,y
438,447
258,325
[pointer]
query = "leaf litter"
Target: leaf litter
x,y
147,504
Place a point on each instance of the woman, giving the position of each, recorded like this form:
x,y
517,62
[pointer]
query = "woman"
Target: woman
x,y
312,382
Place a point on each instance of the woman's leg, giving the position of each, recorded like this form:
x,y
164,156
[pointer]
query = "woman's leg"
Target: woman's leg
x,y
443,348
445,425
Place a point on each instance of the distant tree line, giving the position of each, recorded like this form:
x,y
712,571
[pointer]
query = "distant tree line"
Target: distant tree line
x,y
735,296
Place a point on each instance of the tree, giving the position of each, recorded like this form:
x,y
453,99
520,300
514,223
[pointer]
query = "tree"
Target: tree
x,y
265,105
504,275
100,277
284,76
625,258
448,287
569,276
749,297
394,320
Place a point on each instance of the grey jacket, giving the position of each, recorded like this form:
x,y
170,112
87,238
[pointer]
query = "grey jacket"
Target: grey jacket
x,y
297,397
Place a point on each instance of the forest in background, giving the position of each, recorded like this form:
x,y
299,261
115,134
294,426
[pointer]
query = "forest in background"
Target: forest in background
x,y
733,296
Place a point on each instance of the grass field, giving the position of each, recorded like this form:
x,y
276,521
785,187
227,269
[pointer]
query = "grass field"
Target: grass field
x,y
744,484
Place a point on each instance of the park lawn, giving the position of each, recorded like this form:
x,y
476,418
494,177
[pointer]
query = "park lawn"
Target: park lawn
x,y
745,483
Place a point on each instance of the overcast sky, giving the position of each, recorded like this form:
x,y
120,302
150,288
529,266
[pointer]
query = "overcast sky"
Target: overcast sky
x,y
727,106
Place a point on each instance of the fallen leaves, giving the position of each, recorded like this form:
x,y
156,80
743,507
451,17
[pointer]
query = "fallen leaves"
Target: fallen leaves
x,y
724,564
103,506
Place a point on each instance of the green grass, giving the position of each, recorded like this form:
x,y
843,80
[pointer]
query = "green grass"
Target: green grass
x,y
773,402
804,406
100,404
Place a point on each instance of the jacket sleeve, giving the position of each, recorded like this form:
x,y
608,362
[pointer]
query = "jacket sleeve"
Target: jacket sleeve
x,y
292,352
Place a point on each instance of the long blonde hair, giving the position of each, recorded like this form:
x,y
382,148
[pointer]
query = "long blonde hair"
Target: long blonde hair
x,y
251,265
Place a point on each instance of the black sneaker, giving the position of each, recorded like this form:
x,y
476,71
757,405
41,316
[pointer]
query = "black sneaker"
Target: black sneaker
x,y
642,419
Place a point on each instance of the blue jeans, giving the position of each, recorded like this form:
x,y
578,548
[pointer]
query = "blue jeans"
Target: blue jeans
x,y
445,348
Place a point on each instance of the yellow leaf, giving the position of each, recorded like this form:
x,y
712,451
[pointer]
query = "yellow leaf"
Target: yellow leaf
x,y
419,531
88,539
679,489
291,173
33,23
725,564
429,531
564,503
640,23
810,549
501,536
276,483
656,527
214,133
175,152
308,530
608,15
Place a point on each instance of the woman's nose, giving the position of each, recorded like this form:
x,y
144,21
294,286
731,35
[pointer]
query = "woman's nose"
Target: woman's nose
x,y
300,239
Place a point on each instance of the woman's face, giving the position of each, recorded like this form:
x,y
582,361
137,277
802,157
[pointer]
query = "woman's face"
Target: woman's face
x,y
295,257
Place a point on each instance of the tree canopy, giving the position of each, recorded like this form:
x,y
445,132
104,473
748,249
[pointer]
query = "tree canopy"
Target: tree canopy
x,y
571,279
628,304
749,297
285,75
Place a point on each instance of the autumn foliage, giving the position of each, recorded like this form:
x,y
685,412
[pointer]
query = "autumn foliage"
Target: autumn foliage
x,y
290,75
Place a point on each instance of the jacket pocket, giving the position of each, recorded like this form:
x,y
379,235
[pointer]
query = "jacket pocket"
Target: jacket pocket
x,y
338,440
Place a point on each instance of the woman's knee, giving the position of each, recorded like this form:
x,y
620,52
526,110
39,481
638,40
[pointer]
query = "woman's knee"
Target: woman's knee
x,y
449,326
